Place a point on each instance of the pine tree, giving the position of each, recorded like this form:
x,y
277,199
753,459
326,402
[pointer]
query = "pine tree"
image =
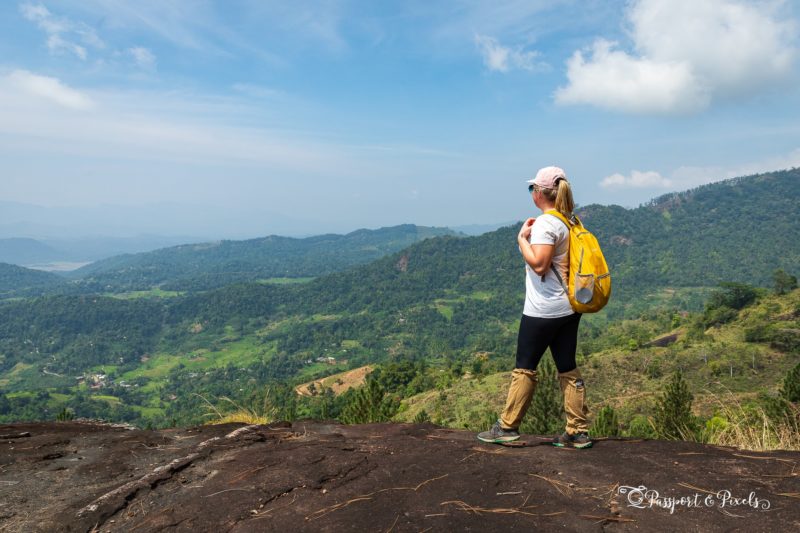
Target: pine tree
x,y
791,385
606,424
673,416
369,404
546,412
783,282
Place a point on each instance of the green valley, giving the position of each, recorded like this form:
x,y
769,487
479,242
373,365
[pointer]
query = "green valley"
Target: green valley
x,y
437,319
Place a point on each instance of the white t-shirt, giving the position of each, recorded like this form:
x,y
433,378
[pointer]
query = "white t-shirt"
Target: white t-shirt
x,y
547,299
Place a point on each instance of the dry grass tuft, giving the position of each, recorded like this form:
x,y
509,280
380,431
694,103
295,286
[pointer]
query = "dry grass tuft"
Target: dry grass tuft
x,y
260,414
750,428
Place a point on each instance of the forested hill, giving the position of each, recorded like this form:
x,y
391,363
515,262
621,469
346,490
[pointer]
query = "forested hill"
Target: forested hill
x,y
716,233
442,299
209,265
13,277
736,230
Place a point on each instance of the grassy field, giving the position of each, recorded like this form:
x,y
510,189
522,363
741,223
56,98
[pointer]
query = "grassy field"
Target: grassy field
x,y
445,305
155,292
284,281
338,383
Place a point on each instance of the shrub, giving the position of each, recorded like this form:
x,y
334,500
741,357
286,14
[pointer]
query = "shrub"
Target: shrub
x,y
713,427
673,417
606,424
718,316
640,427
422,417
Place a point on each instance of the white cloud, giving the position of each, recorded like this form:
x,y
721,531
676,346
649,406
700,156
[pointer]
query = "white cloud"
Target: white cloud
x,y
685,54
57,44
50,89
637,179
688,177
501,58
61,31
692,176
734,45
613,79
178,127
144,58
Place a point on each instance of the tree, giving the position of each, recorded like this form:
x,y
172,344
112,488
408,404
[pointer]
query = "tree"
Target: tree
x,y
673,415
791,385
783,282
787,403
733,295
369,404
723,304
546,412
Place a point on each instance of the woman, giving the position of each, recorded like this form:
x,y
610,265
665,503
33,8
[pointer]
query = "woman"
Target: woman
x,y
548,320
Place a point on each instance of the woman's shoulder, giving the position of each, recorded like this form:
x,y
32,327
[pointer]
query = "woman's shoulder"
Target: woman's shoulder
x,y
548,229
552,220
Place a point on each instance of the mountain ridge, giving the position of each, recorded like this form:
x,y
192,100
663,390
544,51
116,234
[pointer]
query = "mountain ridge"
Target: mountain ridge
x,y
217,263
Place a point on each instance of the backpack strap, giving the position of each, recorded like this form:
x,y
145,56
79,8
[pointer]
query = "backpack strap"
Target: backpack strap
x,y
566,222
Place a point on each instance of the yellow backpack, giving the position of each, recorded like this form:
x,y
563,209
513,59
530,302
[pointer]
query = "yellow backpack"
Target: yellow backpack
x,y
589,281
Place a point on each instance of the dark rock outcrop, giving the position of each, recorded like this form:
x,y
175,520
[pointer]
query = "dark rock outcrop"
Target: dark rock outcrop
x,y
316,476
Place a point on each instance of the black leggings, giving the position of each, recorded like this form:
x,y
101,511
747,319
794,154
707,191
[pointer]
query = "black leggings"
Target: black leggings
x,y
537,334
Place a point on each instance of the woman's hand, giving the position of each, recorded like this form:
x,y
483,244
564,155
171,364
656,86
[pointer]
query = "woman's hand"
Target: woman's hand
x,y
525,230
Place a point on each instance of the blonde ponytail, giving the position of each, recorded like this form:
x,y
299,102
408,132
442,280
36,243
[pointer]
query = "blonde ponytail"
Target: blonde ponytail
x,y
564,202
561,196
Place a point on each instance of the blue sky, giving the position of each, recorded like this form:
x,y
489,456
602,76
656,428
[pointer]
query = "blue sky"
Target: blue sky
x,y
336,115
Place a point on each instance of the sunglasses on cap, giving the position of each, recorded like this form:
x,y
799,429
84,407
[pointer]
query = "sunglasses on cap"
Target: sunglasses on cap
x,y
532,187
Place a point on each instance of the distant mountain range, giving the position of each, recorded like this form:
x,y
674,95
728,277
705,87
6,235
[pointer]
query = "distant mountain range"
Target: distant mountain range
x,y
43,253
21,251
215,264
740,229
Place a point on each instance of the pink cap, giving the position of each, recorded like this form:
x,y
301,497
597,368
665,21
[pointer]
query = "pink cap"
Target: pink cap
x,y
548,177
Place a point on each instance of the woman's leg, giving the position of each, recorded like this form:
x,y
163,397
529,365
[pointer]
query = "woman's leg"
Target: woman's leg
x,y
563,347
534,336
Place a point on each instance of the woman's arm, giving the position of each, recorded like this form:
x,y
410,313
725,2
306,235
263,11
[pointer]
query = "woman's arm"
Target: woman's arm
x,y
538,256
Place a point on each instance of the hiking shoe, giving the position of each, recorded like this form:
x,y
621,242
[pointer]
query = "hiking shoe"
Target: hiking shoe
x,y
498,434
579,440
563,440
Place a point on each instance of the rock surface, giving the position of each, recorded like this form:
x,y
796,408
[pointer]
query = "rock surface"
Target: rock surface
x,y
317,476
